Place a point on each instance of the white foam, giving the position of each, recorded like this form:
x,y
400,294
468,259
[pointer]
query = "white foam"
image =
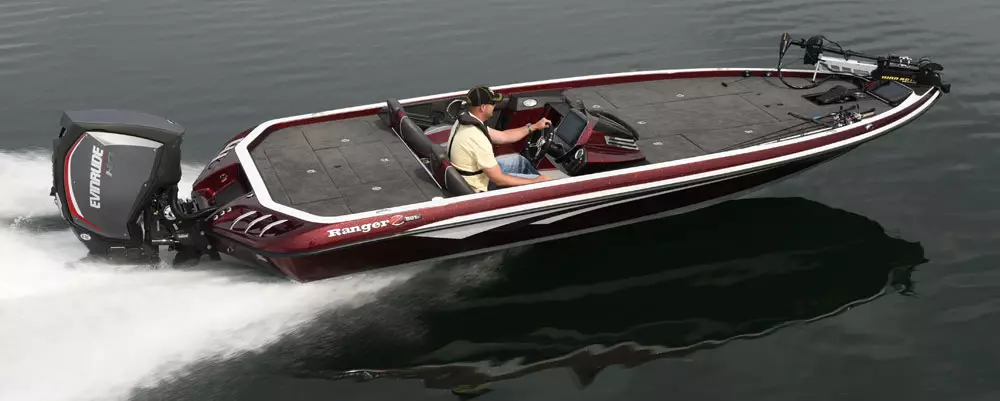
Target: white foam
x,y
112,331
105,332
26,179
98,331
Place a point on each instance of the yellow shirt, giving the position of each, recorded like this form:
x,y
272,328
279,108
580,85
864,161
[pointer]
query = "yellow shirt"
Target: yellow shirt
x,y
472,151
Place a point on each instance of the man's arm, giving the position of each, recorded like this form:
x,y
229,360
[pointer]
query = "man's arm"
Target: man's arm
x,y
517,133
498,177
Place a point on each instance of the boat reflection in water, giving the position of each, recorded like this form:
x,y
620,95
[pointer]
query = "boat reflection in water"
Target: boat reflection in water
x,y
627,296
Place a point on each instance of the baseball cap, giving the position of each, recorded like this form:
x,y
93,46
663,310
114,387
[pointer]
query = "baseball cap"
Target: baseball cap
x,y
481,95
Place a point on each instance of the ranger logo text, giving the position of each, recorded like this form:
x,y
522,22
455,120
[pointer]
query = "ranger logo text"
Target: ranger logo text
x,y
363,228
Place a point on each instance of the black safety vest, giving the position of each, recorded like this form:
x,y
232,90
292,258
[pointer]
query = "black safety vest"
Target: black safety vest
x,y
467,119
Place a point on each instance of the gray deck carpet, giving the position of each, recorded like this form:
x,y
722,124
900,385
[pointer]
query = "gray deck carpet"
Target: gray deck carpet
x,y
358,165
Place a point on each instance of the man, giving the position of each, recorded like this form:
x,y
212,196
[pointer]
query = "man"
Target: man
x,y
470,146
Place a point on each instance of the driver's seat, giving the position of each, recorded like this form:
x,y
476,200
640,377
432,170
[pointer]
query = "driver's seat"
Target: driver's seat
x,y
423,147
455,183
437,129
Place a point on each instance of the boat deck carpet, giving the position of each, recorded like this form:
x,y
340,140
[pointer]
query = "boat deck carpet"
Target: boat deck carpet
x,y
341,167
357,165
683,118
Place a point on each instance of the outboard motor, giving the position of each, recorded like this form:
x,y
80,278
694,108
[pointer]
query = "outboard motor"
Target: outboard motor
x,y
115,177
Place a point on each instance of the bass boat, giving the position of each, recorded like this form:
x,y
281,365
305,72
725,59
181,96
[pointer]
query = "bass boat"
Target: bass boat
x,y
336,192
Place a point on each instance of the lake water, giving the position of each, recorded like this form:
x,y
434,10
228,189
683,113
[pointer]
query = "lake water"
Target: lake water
x,y
871,277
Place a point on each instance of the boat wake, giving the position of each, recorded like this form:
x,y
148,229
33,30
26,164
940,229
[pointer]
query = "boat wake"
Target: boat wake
x,y
95,331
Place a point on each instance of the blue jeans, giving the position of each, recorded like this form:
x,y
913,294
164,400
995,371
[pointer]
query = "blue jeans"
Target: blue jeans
x,y
515,165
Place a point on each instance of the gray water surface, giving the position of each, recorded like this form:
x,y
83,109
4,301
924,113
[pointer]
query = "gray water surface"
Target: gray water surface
x,y
221,67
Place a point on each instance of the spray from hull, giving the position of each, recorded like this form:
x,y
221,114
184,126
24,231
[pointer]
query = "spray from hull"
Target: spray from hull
x,y
101,330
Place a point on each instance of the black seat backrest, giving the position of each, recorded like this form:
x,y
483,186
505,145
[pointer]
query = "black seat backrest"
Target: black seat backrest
x,y
395,113
455,183
411,133
423,147
419,142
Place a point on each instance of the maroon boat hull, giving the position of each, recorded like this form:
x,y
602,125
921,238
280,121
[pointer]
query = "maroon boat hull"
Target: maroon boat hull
x,y
310,247
402,250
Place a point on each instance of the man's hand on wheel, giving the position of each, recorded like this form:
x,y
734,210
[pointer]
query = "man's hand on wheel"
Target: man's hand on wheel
x,y
541,124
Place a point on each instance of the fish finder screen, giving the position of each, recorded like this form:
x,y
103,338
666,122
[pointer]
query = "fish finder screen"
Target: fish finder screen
x,y
571,127
893,92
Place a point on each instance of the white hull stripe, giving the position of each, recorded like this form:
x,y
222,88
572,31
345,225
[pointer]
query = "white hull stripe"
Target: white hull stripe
x,y
468,230
602,205
265,199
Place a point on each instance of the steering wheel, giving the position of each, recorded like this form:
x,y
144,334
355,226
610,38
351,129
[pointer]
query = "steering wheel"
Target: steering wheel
x,y
539,142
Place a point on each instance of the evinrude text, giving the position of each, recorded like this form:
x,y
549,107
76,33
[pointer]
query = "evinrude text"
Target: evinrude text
x,y
96,161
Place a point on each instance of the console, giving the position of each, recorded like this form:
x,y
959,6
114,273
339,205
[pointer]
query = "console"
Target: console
x,y
568,138
585,141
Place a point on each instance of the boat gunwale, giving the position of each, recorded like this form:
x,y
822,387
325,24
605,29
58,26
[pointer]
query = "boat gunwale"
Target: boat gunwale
x,y
900,112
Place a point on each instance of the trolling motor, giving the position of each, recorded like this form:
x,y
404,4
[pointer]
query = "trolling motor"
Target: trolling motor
x,y
903,70
114,180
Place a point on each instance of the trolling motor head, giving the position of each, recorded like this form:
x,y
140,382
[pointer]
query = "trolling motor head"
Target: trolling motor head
x,y
885,68
814,48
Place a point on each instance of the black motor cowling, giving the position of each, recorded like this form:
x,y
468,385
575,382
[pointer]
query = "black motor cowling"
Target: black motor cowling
x,y
115,176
